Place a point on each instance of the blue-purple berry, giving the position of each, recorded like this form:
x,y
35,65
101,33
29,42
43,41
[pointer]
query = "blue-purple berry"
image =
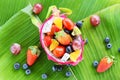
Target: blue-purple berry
x,y
86,40
59,68
68,73
25,66
54,68
107,40
27,71
68,65
95,63
44,76
118,49
79,24
109,45
17,66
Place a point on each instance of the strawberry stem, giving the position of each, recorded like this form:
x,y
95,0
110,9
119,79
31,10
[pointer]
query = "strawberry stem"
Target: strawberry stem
x,y
113,57
35,50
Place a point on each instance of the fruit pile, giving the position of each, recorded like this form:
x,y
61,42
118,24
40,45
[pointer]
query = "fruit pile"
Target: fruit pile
x,y
61,39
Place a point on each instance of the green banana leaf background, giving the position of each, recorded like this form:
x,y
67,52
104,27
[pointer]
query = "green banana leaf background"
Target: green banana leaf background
x,y
16,26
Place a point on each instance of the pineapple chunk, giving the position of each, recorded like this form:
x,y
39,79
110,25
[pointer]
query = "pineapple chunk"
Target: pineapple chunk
x,y
74,55
58,22
53,45
76,31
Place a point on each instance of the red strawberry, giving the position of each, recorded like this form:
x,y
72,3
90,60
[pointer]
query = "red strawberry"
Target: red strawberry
x,y
68,24
32,55
47,40
63,37
53,30
105,64
59,51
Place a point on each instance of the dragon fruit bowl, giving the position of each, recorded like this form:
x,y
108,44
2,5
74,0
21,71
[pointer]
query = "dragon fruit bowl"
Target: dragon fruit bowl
x,y
62,47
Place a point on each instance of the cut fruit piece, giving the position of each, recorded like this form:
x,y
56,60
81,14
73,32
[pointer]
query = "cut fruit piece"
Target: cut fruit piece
x,y
76,31
59,51
76,45
74,55
63,37
65,57
58,22
68,24
54,44
47,40
53,30
48,25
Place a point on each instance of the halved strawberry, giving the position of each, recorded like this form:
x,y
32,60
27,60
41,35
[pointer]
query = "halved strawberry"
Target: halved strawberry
x,y
105,64
59,51
53,30
47,40
63,37
68,24
32,55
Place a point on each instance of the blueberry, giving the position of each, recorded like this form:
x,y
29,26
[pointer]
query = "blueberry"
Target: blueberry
x,y
25,66
118,49
109,45
28,71
68,73
67,31
17,66
107,40
95,63
69,49
68,65
79,24
86,41
54,68
44,76
59,68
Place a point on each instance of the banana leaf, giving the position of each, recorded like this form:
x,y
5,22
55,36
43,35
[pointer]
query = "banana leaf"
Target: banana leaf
x,y
17,26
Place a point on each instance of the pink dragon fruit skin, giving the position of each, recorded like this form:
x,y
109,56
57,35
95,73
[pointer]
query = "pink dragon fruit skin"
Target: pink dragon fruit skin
x,y
50,55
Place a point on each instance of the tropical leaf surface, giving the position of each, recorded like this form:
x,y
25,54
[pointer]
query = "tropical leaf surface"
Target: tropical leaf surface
x,y
16,26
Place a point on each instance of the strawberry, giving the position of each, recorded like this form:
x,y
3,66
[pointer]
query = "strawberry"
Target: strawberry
x,y
68,24
32,55
63,37
105,64
53,30
59,51
47,40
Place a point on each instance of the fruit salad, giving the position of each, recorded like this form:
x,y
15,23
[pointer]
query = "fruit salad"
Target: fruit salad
x,y
61,38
